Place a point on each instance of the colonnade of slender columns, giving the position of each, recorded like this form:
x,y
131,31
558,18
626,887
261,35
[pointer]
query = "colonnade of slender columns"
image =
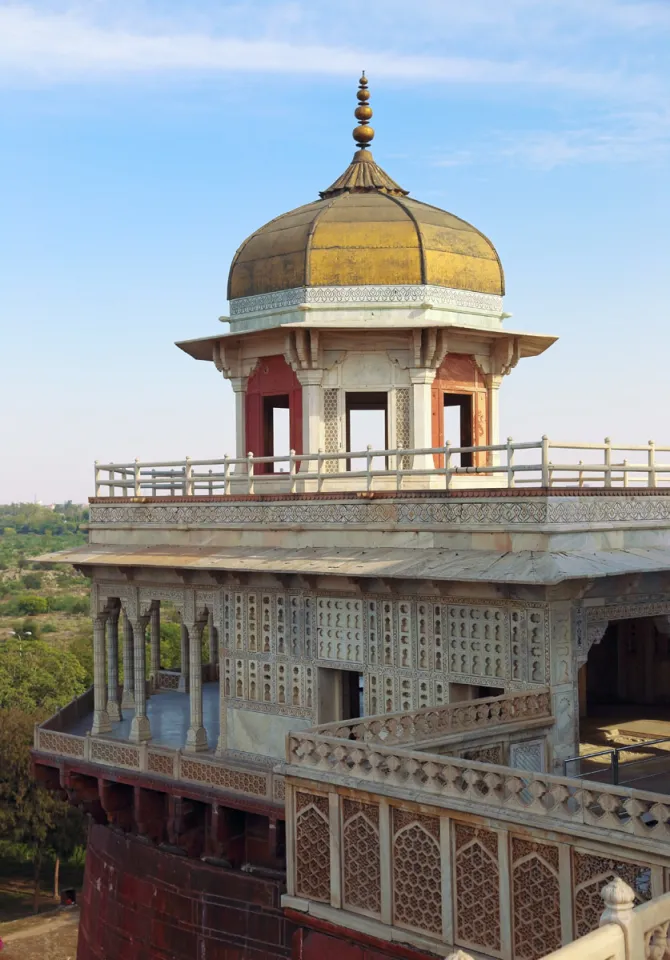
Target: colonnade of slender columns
x,y
107,708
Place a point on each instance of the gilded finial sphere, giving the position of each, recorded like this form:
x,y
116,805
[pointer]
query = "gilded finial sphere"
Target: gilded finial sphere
x,y
363,113
364,80
363,95
363,134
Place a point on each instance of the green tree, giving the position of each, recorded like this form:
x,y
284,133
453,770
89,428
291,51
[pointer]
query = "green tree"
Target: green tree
x,y
36,677
29,814
170,645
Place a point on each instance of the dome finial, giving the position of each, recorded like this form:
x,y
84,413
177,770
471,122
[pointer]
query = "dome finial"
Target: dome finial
x,y
363,133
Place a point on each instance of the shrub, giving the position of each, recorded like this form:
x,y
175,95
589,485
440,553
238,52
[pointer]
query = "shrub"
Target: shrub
x,y
32,581
32,605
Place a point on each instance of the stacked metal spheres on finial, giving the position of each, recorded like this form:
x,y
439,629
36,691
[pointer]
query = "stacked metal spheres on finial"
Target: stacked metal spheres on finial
x,y
363,133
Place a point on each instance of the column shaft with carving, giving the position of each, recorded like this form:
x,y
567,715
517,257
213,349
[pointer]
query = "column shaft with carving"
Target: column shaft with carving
x,y
184,660
155,656
140,729
196,737
128,698
213,644
101,722
113,706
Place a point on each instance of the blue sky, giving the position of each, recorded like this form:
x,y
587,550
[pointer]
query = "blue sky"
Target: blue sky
x,y
142,140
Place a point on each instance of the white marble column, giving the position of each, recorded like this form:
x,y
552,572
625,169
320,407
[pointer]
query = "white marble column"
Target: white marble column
x,y
196,736
139,728
155,635
493,382
184,660
128,697
213,644
312,414
239,385
101,722
113,707
421,379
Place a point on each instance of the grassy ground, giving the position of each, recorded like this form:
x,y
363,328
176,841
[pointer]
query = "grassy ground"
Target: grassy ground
x,y
49,937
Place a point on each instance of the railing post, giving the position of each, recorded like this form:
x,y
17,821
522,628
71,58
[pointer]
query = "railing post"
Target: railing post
x,y
291,468
211,482
250,472
619,901
447,465
226,476
136,477
615,767
153,483
625,473
96,474
510,463
651,475
581,474
368,468
545,461
608,462
110,485
319,464
188,478
398,468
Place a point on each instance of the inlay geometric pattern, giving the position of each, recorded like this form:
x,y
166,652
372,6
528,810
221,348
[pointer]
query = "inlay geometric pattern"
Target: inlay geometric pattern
x,y
118,755
591,874
402,425
417,874
312,839
331,431
477,887
536,914
360,856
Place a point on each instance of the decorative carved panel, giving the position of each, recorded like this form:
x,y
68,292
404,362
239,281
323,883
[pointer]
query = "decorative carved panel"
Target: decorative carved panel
x,y
417,873
536,908
360,856
476,888
591,873
312,839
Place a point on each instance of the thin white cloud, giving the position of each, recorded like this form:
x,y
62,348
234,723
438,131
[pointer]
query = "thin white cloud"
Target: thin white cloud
x,y
62,46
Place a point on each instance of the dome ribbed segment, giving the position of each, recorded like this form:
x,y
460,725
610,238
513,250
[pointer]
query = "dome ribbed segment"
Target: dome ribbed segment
x,y
362,175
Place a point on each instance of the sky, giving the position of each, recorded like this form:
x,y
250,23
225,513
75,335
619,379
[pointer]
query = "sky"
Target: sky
x,y
142,140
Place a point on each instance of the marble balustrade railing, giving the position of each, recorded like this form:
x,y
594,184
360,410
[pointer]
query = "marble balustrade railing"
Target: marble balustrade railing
x,y
431,723
491,788
547,463
209,771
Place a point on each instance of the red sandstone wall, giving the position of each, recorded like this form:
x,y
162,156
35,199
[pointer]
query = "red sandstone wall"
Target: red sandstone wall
x,y
140,903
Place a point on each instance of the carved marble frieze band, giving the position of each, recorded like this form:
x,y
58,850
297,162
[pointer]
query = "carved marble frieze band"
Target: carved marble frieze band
x,y
409,512
410,294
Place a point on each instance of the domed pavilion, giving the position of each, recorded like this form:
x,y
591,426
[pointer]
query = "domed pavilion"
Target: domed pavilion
x,y
366,299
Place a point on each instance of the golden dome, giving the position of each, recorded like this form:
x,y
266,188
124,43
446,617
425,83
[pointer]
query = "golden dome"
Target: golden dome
x,y
365,230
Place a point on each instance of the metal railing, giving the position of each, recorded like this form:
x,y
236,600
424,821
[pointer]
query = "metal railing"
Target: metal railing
x,y
506,465
614,771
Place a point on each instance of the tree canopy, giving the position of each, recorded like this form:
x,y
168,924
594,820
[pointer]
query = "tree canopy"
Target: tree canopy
x,y
38,678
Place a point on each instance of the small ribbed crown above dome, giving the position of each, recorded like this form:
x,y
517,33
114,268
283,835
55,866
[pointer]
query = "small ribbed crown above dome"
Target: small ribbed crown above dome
x,y
365,230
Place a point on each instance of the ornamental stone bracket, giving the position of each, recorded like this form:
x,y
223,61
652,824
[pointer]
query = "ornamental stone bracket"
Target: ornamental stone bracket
x,y
302,350
228,360
428,348
501,360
